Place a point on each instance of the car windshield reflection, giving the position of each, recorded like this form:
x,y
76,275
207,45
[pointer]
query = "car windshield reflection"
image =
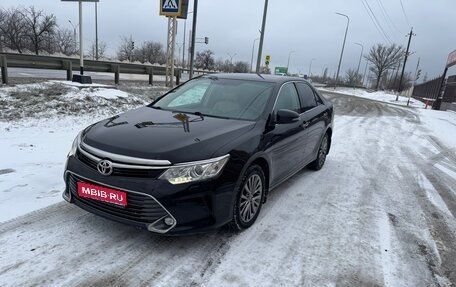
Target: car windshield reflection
x,y
223,98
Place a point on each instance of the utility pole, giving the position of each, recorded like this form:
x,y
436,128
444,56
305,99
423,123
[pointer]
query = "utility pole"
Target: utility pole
x,y
399,90
263,27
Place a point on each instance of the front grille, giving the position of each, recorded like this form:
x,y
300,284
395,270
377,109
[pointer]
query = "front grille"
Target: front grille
x,y
127,172
140,208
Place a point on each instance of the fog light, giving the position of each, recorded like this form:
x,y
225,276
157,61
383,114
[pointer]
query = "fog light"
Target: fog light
x,y
169,221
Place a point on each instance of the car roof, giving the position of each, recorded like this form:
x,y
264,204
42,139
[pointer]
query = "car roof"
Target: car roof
x,y
255,77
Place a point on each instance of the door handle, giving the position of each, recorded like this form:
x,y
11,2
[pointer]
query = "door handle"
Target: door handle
x,y
305,125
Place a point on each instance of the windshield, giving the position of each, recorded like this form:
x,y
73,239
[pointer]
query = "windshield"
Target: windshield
x,y
226,98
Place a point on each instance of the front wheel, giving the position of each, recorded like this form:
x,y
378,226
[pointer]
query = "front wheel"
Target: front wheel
x,y
249,198
322,152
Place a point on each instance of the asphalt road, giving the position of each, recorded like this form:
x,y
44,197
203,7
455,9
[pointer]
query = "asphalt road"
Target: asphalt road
x,y
373,216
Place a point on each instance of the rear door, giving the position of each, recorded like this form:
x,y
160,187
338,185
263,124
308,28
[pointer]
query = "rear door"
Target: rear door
x,y
313,113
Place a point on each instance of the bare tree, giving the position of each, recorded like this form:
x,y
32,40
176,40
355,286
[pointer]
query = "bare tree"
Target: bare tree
x,y
384,58
325,74
14,29
101,50
39,27
151,52
241,67
205,60
352,78
222,65
65,42
125,49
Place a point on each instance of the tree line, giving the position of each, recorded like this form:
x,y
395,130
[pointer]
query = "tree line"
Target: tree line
x,y
385,67
29,29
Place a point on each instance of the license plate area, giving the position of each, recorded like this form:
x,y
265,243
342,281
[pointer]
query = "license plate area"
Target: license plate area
x,y
100,193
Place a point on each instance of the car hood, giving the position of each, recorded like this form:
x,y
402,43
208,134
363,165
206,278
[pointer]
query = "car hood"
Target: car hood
x,y
164,135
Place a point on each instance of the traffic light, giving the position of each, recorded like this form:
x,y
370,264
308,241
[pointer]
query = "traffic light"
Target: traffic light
x,y
132,45
206,40
267,60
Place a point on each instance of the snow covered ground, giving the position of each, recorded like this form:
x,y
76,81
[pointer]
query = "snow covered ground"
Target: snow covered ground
x,y
382,96
38,123
380,213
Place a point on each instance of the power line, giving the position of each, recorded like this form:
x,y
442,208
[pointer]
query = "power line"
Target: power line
x,y
375,21
372,19
405,14
388,19
378,22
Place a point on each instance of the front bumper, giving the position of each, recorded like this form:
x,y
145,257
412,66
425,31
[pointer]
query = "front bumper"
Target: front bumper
x,y
193,207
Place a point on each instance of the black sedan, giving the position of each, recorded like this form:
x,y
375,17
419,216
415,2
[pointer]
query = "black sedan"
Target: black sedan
x,y
204,155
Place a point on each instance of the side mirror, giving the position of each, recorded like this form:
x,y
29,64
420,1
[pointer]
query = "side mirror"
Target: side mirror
x,y
285,116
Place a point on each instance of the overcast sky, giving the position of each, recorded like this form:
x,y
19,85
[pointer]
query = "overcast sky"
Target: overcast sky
x,y
309,27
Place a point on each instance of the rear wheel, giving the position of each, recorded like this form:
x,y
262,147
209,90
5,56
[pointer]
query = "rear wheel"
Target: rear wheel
x,y
322,152
249,198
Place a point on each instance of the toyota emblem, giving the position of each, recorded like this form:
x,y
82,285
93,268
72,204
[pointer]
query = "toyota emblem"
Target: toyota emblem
x,y
105,167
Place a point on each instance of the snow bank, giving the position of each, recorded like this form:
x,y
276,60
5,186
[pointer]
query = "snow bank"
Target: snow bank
x,y
381,96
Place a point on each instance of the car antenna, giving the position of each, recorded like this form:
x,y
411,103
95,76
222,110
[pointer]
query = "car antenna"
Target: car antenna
x,y
259,75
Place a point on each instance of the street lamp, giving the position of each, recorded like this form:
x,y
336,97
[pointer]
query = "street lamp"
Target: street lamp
x,y
310,66
74,31
263,27
96,31
360,57
231,60
343,47
253,51
288,63
365,73
185,35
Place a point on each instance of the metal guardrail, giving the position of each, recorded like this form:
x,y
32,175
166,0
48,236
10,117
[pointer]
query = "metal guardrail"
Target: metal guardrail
x,y
72,64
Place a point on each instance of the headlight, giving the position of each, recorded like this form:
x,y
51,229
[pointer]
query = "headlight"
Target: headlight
x,y
195,171
74,146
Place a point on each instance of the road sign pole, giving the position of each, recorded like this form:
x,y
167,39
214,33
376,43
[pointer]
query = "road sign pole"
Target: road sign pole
x,y
96,31
81,46
192,47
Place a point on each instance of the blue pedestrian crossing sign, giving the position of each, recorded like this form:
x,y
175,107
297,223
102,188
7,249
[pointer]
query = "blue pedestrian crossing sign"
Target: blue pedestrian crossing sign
x,y
170,8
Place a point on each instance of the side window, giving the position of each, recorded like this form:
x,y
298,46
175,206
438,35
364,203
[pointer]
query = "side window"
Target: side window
x,y
307,97
318,98
288,98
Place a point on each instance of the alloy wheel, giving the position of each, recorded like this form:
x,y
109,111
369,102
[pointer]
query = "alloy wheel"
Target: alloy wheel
x,y
250,200
323,151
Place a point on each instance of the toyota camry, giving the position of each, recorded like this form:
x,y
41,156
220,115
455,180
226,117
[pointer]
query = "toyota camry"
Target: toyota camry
x,y
203,155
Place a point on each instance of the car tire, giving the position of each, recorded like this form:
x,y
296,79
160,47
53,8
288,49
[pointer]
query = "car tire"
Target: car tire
x,y
249,198
321,156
